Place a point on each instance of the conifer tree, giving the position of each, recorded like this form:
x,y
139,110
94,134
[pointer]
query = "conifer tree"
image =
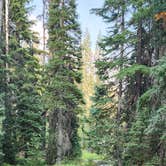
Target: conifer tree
x,y
143,133
22,124
89,80
1,77
63,96
114,51
8,123
88,70
141,47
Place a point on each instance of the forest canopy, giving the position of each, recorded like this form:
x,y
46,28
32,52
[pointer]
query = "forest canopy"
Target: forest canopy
x,y
64,101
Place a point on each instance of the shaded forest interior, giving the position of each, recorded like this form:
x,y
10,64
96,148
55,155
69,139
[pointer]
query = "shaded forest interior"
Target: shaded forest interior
x,y
63,102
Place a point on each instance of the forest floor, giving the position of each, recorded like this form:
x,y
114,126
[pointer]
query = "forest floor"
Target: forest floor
x,y
87,159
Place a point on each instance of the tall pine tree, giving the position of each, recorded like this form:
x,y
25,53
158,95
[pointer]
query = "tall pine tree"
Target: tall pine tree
x,y
1,76
133,47
63,96
22,124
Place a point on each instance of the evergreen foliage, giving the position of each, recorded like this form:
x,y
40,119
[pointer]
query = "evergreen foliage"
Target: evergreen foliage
x,y
63,72
135,134
22,123
126,122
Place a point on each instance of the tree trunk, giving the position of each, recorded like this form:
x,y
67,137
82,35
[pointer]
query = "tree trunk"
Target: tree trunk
x,y
1,16
162,154
44,61
63,139
119,158
7,27
61,128
8,145
60,135
138,59
51,149
44,30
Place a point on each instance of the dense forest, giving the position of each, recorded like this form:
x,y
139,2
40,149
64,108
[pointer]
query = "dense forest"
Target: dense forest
x,y
69,104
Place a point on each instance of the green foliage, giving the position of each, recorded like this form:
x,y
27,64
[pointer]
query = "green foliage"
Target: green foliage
x,y
22,122
159,6
32,161
132,70
1,153
1,102
101,121
87,159
131,132
147,132
89,77
128,116
106,134
62,73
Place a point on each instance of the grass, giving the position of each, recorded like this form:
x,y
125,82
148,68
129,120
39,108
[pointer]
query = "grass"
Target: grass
x,y
91,156
87,159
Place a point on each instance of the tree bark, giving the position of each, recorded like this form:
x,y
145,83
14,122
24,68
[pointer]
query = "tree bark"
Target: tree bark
x,y
138,59
162,154
7,26
44,30
60,133
44,61
1,16
51,149
61,130
63,139
119,158
8,145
